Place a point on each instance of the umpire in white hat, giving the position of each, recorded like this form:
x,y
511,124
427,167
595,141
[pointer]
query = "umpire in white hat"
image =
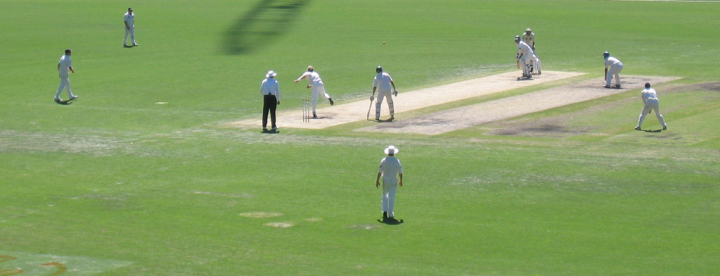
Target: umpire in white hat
x,y
390,169
271,99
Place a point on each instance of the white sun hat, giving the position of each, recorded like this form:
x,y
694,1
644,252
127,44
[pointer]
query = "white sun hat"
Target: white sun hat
x,y
270,74
391,150
528,30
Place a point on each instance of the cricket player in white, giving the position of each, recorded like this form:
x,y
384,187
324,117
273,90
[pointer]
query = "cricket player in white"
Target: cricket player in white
x,y
615,66
64,69
385,83
129,20
524,57
318,88
529,38
650,99
390,168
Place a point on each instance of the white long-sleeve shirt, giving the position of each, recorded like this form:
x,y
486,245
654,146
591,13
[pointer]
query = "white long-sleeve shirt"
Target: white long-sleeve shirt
x,y
270,86
312,77
390,168
611,61
524,50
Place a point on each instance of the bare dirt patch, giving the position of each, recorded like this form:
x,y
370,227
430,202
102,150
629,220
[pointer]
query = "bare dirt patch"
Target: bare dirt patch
x,y
473,115
407,101
260,215
365,226
280,224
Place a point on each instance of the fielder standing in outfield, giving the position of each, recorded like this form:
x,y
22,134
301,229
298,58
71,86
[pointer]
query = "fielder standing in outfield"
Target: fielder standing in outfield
x,y
390,168
650,99
529,38
129,19
64,69
383,81
615,66
318,88
271,99
524,57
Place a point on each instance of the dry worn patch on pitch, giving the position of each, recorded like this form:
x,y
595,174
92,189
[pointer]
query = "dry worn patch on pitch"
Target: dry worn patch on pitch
x,y
260,215
472,115
407,101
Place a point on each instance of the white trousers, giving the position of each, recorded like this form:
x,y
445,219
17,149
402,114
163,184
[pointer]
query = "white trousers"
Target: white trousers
x,y
378,104
131,32
388,197
653,105
64,82
318,90
614,71
525,63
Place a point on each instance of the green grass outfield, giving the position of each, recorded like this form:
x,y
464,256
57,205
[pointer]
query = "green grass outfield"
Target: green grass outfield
x,y
115,184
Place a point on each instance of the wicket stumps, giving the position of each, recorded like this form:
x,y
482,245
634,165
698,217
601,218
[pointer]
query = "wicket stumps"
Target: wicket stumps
x,y
306,110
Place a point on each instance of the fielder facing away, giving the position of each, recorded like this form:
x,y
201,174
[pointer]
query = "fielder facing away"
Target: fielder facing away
x,y
650,99
318,88
524,57
389,169
383,81
615,66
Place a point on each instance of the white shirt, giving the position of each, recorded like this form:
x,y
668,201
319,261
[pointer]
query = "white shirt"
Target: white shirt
x,y
649,94
65,64
312,77
270,86
382,81
529,39
129,18
524,50
612,61
390,167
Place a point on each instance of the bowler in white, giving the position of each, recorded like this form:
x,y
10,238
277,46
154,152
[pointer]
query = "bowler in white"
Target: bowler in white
x,y
652,103
390,169
318,88
129,19
64,69
385,86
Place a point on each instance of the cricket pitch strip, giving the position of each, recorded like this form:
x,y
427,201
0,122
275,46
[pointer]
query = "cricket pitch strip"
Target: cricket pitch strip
x,y
406,101
466,116
505,108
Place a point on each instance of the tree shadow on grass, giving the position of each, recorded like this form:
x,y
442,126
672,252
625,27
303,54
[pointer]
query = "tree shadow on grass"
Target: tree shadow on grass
x,y
262,24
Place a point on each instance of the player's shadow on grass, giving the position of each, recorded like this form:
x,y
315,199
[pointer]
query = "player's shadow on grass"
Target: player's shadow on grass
x,y
391,221
262,24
